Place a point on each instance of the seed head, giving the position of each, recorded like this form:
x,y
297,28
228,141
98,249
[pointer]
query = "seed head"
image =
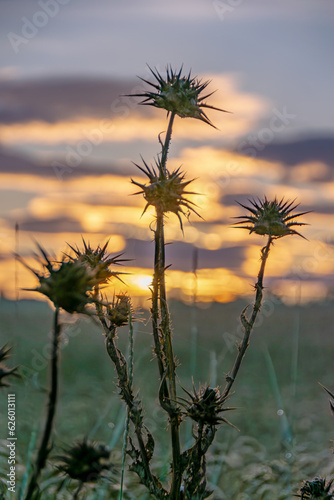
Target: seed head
x,y
318,488
166,191
85,461
178,94
205,406
272,218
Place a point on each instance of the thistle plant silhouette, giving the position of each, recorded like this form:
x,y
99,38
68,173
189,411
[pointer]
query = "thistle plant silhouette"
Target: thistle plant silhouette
x,y
181,96
74,284
71,285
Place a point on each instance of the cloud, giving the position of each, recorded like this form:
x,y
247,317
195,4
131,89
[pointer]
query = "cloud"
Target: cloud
x,y
51,225
93,111
15,164
180,255
123,38
57,100
100,205
303,150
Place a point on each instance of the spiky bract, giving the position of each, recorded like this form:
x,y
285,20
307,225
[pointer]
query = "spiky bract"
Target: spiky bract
x,y
4,371
205,406
272,218
72,283
178,94
68,284
118,311
85,461
98,260
318,488
166,191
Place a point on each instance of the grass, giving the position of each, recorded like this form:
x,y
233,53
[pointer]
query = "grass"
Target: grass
x,y
88,395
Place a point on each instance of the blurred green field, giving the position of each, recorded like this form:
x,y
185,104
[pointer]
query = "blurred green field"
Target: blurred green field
x,y
285,426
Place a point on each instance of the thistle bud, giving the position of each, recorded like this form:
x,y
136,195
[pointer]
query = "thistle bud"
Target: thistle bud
x,y
272,218
166,191
98,260
318,488
205,406
68,284
178,94
118,311
85,461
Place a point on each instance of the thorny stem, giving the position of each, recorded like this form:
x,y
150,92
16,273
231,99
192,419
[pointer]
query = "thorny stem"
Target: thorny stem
x,y
127,420
165,147
159,298
173,413
155,298
133,403
159,262
134,409
248,324
195,463
52,403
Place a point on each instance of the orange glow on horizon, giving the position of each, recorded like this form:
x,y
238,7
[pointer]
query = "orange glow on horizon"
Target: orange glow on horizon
x,y
219,284
102,205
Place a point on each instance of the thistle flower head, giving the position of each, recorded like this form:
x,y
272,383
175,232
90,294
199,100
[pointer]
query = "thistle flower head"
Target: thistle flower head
x,y
318,488
85,461
166,191
4,371
205,406
68,284
272,218
118,311
178,94
98,260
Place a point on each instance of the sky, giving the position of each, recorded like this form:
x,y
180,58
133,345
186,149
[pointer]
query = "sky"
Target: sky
x,y
70,137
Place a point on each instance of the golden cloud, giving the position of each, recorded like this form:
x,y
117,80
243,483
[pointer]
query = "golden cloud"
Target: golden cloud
x,y
246,109
309,172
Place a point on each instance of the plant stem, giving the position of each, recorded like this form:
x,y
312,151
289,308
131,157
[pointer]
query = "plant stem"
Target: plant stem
x,y
160,299
77,491
173,413
159,262
127,420
195,474
133,406
52,403
165,147
135,414
158,342
248,324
